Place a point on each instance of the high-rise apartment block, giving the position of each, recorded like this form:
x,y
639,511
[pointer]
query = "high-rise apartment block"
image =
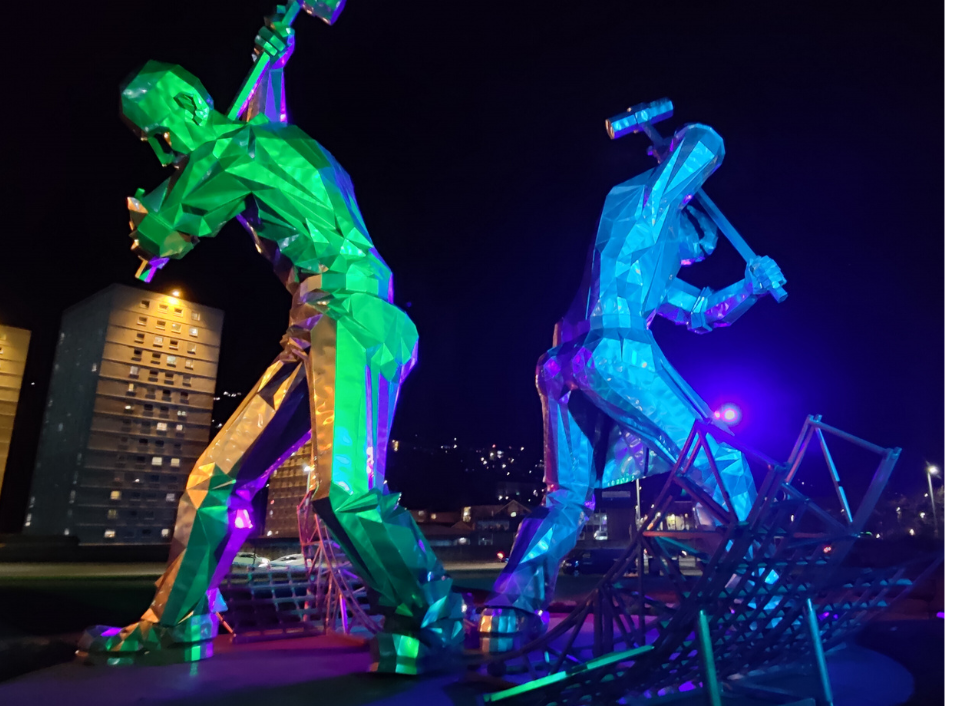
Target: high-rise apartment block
x,y
286,489
13,356
128,414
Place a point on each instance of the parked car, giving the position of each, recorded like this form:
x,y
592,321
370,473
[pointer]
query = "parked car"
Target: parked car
x,y
250,560
290,561
591,561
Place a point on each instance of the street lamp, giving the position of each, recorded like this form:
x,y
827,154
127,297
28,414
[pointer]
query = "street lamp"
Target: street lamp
x,y
931,472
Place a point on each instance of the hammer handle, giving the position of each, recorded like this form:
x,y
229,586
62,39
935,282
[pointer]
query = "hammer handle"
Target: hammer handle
x,y
252,80
736,240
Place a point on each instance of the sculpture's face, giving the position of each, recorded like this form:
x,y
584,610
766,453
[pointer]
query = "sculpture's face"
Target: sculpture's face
x,y
169,108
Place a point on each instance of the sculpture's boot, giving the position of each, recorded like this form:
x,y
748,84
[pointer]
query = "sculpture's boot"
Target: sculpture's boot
x,y
149,642
423,627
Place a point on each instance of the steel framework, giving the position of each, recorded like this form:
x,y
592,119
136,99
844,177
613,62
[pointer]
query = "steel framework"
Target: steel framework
x,y
774,591
323,596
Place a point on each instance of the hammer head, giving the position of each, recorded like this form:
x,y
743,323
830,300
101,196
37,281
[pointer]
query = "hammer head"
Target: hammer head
x,y
638,116
326,10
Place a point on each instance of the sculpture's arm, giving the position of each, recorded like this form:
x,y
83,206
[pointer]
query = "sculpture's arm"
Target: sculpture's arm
x,y
195,203
702,310
277,41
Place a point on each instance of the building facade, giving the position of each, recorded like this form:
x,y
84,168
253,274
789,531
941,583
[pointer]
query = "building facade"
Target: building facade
x,y
14,343
128,414
285,490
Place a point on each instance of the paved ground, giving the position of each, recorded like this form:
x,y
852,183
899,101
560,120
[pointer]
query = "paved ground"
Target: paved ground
x,y
43,608
332,671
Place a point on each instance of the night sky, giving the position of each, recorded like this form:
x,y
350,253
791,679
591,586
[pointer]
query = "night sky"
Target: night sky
x,y
474,135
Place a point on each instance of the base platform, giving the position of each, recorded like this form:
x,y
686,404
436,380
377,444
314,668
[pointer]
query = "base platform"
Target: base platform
x,y
333,670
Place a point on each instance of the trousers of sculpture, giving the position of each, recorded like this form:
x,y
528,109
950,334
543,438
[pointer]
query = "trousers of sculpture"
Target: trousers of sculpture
x,y
343,361
607,396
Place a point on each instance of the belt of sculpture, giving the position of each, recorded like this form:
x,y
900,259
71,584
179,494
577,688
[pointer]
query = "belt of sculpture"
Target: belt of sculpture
x,y
614,409
345,355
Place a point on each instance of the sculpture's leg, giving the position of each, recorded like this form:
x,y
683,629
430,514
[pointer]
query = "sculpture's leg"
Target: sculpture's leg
x,y
213,520
359,357
572,430
632,382
548,534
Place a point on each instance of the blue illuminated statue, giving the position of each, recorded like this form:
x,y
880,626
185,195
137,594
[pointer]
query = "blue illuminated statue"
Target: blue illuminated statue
x,y
614,408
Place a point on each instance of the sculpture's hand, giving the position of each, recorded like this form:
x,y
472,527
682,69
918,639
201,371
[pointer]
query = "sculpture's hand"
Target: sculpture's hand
x,y
153,238
276,41
763,275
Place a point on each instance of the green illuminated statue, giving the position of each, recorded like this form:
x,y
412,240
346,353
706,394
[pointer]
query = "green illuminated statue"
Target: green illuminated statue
x,y
345,354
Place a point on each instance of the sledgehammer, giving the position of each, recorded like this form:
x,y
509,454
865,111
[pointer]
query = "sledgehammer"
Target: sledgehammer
x,y
642,117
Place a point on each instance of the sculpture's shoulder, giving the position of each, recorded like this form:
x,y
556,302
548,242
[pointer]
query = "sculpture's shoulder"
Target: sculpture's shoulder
x,y
302,158
626,195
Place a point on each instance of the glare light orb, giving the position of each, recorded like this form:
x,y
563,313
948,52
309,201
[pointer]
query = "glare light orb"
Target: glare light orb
x,y
729,414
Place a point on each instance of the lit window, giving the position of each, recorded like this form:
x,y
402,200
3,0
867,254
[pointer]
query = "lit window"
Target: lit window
x,y
114,494
158,340
128,408
175,462
109,534
144,303
111,514
141,321
93,368
192,348
176,328
157,461
188,364
165,532
179,427
171,497
171,360
195,315
131,389
194,331
161,426
134,371
161,325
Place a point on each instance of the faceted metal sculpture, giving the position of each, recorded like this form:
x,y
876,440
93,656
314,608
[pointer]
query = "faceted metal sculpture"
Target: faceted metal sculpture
x,y
345,354
614,408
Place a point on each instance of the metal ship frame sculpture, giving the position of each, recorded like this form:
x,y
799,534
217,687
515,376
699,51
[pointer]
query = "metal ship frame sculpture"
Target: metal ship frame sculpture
x,y
774,593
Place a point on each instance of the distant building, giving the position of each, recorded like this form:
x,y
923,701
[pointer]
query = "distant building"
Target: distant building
x,y
13,356
285,490
127,416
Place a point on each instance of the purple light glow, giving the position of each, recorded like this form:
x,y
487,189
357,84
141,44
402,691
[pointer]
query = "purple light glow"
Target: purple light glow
x,y
242,520
729,413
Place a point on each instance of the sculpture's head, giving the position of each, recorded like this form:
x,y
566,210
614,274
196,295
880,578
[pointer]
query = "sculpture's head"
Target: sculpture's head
x,y
695,152
169,108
